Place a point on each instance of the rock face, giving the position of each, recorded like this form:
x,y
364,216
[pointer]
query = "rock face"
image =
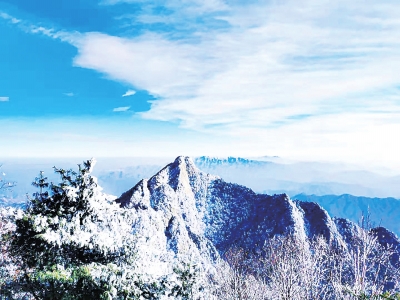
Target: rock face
x,y
181,212
170,209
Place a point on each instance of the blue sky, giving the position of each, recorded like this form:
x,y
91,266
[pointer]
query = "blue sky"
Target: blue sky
x,y
308,79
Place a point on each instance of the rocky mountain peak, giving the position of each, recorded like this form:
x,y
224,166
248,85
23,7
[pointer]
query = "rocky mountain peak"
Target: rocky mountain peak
x,y
182,211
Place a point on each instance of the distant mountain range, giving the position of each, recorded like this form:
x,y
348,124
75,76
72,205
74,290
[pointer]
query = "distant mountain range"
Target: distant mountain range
x,y
271,175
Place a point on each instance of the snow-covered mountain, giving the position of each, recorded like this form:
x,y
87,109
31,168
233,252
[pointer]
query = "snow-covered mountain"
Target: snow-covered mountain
x,y
183,210
329,185
179,223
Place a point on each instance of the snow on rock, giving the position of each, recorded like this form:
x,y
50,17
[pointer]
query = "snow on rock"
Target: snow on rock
x,y
318,222
183,213
168,210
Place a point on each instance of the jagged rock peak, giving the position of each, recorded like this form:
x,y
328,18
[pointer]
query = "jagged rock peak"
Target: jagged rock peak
x,y
182,173
180,176
181,163
184,161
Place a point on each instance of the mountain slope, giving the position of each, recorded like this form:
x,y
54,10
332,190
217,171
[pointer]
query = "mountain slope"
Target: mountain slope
x,y
182,211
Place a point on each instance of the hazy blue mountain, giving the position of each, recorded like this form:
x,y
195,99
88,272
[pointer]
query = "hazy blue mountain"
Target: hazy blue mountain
x,y
383,211
273,175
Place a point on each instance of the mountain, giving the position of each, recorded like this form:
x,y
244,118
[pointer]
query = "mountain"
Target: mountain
x,y
273,175
270,175
166,236
263,175
382,211
183,210
329,185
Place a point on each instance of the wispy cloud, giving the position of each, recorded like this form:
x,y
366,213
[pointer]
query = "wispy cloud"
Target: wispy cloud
x,y
176,6
7,17
129,93
120,109
26,26
4,99
314,72
177,17
70,94
276,61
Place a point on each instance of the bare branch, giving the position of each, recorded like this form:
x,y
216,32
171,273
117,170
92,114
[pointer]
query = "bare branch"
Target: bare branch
x,y
5,185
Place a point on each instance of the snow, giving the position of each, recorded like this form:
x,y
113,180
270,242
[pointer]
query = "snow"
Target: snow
x,y
181,212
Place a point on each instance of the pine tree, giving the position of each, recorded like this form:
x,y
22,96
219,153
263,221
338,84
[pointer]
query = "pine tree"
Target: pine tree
x,y
71,238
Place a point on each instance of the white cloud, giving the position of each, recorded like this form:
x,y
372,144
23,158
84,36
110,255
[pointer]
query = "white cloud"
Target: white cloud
x,y
70,94
296,78
129,93
7,17
119,109
300,77
62,35
153,63
282,60
4,99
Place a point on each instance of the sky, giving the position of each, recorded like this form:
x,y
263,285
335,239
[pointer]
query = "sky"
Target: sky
x,y
301,79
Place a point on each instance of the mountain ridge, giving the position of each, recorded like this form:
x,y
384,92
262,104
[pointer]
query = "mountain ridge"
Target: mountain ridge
x,y
183,210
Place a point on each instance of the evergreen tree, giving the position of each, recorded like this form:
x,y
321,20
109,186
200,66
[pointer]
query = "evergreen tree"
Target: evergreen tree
x,y
71,239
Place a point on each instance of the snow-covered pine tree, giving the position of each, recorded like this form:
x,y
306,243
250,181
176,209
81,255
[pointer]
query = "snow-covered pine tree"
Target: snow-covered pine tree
x,y
74,242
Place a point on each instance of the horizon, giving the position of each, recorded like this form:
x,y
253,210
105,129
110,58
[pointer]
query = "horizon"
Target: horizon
x,y
107,163
103,165
302,80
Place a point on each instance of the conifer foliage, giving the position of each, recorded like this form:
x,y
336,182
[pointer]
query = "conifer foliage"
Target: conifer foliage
x,y
70,238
